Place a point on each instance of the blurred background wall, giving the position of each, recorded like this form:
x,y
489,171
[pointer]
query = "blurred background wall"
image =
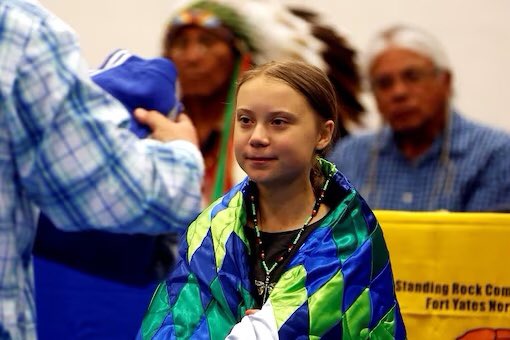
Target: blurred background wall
x,y
475,34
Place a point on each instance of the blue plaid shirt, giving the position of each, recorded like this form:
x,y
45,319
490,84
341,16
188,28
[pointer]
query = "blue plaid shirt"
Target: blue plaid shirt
x,y
475,177
58,154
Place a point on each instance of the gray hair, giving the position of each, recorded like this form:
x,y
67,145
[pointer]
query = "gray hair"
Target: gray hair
x,y
407,37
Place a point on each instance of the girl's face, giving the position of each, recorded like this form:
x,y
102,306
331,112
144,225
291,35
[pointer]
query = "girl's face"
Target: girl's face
x,y
276,132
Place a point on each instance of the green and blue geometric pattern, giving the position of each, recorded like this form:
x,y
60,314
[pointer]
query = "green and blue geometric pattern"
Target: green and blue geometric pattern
x,y
338,285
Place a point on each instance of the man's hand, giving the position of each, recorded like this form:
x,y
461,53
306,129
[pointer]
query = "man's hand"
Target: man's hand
x,y
164,129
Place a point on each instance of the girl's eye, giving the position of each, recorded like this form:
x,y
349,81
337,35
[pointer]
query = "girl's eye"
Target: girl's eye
x,y
279,122
243,119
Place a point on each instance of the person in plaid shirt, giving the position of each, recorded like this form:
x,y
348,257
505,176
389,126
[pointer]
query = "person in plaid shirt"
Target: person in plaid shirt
x,y
59,155
427,156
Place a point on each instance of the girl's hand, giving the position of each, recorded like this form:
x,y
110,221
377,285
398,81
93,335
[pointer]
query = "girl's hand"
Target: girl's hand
x,y
251,311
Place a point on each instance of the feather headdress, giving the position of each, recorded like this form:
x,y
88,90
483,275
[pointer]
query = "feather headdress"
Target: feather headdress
x,y
269,30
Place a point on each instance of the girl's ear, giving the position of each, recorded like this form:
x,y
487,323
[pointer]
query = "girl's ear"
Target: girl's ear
x,y
325,135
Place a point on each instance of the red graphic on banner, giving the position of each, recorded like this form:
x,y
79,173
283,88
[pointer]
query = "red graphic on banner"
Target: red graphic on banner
x,y
486,334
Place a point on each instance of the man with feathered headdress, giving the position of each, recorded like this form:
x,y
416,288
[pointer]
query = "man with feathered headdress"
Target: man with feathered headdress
x,y
212,41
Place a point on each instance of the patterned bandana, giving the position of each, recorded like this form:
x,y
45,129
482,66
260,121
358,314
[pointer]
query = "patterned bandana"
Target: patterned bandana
x,y
219,19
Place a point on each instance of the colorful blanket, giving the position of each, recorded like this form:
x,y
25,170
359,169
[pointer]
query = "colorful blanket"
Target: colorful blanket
x,y
338,285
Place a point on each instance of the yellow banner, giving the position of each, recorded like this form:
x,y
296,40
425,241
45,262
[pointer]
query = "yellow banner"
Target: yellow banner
x,y
452,273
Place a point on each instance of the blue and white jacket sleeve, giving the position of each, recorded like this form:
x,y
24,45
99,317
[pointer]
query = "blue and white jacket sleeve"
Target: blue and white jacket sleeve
x,y
82,171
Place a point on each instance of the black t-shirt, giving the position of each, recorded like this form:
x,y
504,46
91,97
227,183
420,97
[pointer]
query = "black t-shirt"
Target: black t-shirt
x,y
275,245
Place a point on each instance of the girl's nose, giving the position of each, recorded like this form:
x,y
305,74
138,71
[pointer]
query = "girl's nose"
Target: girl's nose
x,y
259,136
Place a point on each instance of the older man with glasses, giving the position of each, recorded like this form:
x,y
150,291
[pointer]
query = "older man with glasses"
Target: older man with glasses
x,y
426,156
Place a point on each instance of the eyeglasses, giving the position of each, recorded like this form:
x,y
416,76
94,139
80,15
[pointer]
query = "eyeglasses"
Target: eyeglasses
x,y
410,77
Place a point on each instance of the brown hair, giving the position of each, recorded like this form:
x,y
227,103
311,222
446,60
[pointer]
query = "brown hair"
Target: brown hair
x,y
312,83
308,80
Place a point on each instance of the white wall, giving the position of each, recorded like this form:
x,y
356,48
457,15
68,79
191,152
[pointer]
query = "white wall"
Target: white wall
x,y
475,33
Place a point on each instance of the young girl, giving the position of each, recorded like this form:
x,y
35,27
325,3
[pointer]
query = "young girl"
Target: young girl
x,y
293,251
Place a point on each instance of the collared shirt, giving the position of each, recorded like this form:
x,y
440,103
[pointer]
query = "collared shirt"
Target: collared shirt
x,y
58,154
475,175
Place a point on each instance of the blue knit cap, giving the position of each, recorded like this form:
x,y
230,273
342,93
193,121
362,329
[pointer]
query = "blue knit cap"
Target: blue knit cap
x,y
138,82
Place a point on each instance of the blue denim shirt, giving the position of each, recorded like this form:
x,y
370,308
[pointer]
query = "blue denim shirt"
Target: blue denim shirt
x,y
475,177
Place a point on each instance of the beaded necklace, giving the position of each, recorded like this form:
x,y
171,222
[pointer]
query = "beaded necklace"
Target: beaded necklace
x,y
258,240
